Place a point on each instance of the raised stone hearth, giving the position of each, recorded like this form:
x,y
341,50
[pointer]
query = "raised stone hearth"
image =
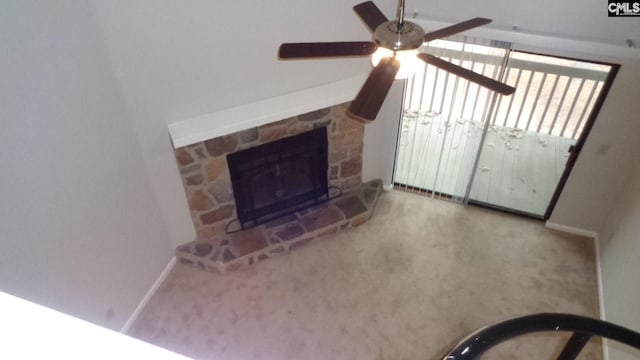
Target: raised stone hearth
x,y
233,251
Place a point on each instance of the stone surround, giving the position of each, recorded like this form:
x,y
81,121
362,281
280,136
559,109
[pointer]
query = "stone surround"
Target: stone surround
x,y
233,251
205,176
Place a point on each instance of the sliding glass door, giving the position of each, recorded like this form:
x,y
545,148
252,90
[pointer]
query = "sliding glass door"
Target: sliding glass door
x,y
462,142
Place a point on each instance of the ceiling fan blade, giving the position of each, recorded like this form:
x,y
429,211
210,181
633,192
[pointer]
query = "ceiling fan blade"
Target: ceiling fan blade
x,y
457,28
371,96
472,76
370,14
326,49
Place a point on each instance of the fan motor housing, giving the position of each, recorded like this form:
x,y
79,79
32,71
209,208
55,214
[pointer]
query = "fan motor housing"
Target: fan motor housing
x,y
393,36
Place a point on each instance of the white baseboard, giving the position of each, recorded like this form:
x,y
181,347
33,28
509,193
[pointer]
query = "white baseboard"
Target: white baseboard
x,y
571,230
387,187
596,242
605,344
148,295
599,279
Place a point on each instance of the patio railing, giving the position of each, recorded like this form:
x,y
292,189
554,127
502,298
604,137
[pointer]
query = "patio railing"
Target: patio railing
x,y
553,96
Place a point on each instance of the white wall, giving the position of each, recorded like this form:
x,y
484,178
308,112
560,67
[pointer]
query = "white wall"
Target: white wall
x,y
380,138
620,263
80,231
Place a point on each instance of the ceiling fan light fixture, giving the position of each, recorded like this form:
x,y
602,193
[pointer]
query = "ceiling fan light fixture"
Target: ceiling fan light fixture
x,y
409,61
394,55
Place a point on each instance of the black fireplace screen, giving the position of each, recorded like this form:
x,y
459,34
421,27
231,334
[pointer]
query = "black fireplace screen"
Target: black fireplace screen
x,y
280,177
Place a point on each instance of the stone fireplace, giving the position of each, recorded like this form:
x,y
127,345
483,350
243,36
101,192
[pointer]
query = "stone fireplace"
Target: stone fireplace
x,y
221,244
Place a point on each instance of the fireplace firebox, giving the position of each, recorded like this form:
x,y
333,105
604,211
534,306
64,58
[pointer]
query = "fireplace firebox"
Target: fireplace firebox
x,y
280,177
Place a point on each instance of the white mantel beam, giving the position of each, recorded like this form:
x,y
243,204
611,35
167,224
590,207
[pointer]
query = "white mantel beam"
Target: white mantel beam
x,y
207,126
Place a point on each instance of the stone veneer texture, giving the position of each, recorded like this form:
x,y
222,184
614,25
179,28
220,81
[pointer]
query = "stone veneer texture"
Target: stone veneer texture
x,y
205,175
232,252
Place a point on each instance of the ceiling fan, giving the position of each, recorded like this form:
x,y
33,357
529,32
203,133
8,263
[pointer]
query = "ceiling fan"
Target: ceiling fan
x,y
396,40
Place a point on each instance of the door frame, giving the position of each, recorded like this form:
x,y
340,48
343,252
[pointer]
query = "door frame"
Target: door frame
x,y
575,150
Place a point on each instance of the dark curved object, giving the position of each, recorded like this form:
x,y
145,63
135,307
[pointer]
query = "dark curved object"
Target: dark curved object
x,y
370,14
472,76
326,49
583,328
456,28
369,100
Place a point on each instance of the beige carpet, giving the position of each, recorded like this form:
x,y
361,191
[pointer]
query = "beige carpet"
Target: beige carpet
x,y
408,284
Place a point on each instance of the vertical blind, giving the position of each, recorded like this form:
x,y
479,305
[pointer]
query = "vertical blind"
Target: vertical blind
x,y
444,116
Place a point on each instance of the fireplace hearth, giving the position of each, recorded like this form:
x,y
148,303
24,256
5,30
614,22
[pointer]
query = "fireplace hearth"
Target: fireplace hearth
x,y
240,249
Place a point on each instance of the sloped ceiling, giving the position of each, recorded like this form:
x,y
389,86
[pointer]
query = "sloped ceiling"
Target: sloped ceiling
x,y
185,58
175,60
